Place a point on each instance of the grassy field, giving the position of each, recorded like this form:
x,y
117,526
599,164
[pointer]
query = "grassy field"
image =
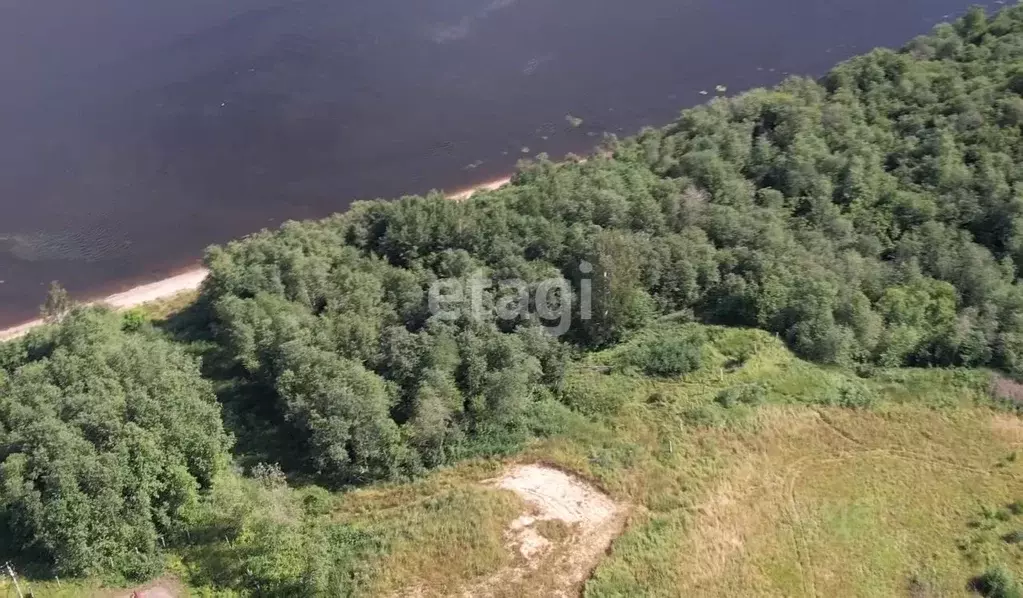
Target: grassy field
x,y
756,475
828,484
826,502
814,482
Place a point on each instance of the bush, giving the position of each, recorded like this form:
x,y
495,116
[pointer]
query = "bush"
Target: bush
x,y
669,356
849,394
856,396
269,475
745,394
133,320
594,394
997,582
1007,392
703,416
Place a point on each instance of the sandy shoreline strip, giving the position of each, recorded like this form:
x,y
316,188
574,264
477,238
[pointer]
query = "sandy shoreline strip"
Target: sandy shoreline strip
x,y
190,280
488,186
146,293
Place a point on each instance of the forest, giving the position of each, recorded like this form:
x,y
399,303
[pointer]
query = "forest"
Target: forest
x,y
872,219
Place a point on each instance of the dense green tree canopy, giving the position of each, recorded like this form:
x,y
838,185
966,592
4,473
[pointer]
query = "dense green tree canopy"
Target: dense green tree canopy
x,y
874,216
106,440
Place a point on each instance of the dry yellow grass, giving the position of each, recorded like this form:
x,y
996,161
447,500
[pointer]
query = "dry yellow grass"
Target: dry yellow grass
x,y
831,502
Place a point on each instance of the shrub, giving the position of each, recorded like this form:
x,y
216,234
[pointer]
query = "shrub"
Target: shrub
x,y
133,320
849,394
997,582
669,356
745,394
596,394
1007,391
703,416
269,475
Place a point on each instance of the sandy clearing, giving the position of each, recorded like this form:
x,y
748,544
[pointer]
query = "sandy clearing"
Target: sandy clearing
x,y
557,495
192,279
553,567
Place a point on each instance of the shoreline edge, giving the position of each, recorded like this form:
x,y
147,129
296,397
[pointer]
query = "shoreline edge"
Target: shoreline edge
x,y
190,280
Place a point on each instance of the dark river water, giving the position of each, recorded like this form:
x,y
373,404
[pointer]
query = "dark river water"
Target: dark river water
x,y
135,133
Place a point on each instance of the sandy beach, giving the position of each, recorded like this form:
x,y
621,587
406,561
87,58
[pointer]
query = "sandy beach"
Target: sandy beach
x,y
133,297
488,186
192,279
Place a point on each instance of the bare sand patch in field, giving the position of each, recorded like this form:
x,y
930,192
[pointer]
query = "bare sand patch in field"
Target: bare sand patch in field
x,y
553,564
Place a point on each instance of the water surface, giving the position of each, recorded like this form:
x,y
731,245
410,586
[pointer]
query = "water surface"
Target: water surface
x,y
133,134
